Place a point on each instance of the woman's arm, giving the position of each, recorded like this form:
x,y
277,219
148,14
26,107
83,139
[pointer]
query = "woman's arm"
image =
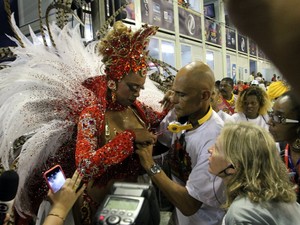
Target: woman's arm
x,y
91,160
64,199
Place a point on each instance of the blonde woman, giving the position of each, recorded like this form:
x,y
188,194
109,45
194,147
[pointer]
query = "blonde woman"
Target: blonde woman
x,y
252,105
258,187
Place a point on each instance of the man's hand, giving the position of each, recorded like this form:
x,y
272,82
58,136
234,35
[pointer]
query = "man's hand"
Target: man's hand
x,y
145,155
166,101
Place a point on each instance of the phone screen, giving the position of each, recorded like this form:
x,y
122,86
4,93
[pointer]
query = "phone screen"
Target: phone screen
x,y
55,178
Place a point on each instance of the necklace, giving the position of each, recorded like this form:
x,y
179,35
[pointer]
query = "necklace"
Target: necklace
x,y
118,121
231,100
138,117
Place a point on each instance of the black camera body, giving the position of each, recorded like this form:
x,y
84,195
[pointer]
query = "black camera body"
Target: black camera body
x,y
129,203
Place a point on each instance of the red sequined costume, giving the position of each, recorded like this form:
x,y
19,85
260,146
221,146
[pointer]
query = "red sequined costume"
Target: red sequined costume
x,y
116,159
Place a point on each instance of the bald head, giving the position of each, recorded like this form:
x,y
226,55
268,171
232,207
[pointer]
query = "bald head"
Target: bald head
x,y
197,75
192,89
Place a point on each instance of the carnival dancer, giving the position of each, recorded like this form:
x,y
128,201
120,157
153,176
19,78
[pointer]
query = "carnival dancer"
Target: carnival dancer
x,y
117,122
54,101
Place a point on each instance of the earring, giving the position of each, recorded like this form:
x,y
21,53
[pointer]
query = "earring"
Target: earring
x,y
113,87
296,144
113,96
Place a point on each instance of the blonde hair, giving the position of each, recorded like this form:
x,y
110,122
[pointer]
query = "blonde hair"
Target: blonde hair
x,y
262,97
260,172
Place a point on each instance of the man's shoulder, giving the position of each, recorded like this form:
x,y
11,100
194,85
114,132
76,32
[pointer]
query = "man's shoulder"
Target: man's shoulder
x,y
211,128
216,121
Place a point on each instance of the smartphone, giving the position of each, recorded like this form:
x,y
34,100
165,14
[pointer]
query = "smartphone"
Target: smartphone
x,y
55,178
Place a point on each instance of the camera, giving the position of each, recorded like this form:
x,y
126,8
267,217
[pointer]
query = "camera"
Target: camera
x,y
129,203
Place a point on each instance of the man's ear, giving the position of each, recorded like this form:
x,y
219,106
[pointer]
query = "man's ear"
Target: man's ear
x,y
205,95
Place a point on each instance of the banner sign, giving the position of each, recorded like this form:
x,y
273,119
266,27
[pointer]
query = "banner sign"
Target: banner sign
x,y
159,13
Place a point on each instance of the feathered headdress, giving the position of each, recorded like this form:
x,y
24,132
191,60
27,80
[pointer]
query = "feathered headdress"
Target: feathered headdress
x,y
124,51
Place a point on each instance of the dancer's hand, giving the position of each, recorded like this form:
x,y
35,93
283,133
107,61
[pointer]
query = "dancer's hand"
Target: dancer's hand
x,y
144,137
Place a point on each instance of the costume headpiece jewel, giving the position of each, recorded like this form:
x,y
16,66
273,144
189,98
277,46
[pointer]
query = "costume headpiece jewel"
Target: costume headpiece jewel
x,y
124,51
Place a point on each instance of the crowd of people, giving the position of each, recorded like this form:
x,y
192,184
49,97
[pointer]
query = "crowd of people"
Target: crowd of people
x,y
233,156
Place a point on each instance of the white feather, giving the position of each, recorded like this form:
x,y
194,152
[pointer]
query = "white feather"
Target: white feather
x,y
41,80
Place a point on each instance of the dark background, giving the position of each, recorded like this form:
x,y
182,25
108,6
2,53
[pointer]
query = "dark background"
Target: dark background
x,y
5,27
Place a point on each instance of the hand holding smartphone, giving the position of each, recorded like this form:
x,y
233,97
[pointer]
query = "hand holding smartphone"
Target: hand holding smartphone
x,y
55,178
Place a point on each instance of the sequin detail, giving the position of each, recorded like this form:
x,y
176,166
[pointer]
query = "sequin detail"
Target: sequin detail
x,y
125,51
116,159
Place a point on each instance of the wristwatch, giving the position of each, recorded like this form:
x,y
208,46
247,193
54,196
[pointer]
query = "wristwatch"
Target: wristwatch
x,y
154,169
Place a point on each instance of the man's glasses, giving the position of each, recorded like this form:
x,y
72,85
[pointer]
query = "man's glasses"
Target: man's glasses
x,y
281,119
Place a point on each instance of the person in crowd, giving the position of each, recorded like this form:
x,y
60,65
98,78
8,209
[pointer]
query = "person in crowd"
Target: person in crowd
x,y
228,98
216,99
63,200
251,76
272,34
246,85
191,189
254,83
258,189
217,83
253,105
284,125
262,85
267,84
259,77
239,87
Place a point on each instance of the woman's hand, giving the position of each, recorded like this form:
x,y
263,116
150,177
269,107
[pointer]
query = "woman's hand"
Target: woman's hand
x,y
64,199
144,137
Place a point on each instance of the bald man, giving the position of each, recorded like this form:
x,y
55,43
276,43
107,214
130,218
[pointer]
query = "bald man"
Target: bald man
x,y
194,192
